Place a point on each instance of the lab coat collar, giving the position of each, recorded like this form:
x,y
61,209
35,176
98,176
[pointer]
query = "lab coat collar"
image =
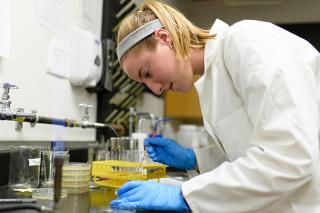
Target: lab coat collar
x,y
210,50
218,28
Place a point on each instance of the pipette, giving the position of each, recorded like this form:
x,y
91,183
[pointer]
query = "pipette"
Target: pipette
x,y
153,135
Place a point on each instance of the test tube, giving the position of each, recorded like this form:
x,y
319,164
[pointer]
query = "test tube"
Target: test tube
x,y
108,150
120,145
126,149
135,150
114,151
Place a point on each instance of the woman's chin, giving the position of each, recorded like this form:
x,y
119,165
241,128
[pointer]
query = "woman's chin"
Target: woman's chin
x,y
184,90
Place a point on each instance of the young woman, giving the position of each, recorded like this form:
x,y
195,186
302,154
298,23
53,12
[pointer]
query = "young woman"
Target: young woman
x,y
258,93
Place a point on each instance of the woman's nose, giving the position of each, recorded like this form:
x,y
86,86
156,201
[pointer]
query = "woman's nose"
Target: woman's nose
x,y
156,88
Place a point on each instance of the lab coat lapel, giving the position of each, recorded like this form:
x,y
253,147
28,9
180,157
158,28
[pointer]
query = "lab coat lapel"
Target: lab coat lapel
x,y
206,85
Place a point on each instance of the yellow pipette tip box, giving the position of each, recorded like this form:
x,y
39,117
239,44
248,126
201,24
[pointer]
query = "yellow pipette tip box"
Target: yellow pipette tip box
x,y
114,173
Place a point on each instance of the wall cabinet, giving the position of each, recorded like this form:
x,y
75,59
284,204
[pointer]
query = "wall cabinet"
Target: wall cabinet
x,y
183,106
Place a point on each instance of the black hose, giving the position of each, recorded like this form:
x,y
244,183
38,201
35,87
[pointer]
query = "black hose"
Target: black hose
x,y
54,121
14,207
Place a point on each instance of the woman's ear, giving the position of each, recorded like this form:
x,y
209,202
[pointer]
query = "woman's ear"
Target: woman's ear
x,y
164,36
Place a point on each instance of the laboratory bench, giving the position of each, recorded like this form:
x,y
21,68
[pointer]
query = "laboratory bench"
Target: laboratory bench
x,y
96,200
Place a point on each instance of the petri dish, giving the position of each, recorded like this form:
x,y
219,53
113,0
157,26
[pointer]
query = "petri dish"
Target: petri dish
x,y
76,178
76,166
77,190
76,169
75,184
47,193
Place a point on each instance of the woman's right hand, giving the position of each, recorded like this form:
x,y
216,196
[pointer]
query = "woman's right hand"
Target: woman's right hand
x,y
169,152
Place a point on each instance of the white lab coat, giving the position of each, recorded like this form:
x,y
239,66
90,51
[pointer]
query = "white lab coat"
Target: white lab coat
x,y
259,98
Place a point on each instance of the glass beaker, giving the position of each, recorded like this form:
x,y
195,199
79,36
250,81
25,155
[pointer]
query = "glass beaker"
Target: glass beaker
x,y
47,169
138,147
24,167
47,166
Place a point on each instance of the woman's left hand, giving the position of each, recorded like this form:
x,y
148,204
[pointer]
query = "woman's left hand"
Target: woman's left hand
x,y
150,195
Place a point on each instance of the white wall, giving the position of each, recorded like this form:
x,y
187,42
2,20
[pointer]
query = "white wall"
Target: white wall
x,y
26,68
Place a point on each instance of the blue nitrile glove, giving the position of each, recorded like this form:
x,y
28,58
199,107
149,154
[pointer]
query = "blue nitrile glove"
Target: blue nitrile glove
x,y
149,195
167,151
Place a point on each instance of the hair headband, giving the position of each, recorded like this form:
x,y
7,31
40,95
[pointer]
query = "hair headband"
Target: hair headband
x,y
137,35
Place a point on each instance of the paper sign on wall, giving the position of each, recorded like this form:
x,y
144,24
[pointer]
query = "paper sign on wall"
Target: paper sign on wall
x,y
52,15
90,12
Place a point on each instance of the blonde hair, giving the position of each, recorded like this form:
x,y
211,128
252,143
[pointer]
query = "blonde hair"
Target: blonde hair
x,y
185,35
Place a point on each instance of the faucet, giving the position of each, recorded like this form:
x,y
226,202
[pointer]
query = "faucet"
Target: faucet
x,y
143,116
5,102
6,113
85,116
